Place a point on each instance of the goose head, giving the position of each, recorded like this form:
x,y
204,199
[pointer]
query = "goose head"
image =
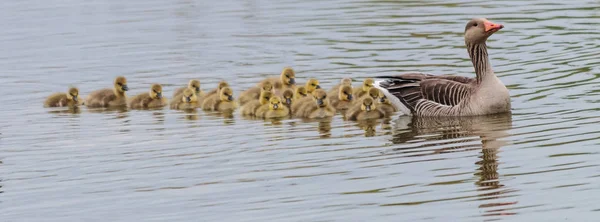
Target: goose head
x,y
189,96
320,98
312,85
194,84
265,96
288,76
156,91
479,29
73,94
367,104
345,93
226,94
120,85
367,84
275,103
288,96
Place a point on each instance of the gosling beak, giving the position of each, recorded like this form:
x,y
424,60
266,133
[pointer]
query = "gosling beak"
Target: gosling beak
x,y
230,98
292,81
124,87
188,99
350,97
159,95
320,102
318,86
382,99
368,108
75,99
288,101
491,27
275,106
197,89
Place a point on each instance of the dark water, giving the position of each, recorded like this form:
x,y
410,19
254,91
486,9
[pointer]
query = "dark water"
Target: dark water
x,y
538,164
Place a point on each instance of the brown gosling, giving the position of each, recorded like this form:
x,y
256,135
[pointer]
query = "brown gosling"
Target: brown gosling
x,y
194,85
276,109
364,89
343,100
368,110
186,100
153,99
312,85
222,84
70,98
286,80
114,97
254,92
344,82
249,109
385,105
319,108
222,102
288,98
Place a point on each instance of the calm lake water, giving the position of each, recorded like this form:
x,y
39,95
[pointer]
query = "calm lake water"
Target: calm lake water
x,y
539,164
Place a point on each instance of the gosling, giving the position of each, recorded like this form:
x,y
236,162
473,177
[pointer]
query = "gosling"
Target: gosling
x,y
194,85
153,99
254,92
70,98
114,97
185,101
367,110
249,109
319,108
343,99
364,89
222,102
276,109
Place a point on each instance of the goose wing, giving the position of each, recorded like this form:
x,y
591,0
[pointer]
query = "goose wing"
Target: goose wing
x,y
413,88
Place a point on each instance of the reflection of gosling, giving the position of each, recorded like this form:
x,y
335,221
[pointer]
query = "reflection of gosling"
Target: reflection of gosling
x,y
288,98
222,102
194,85
222,84
367,110
276,109
254,92
364,89
334,90
185,100
71,98
319,108
312,85
153,99
385,105
300,93
286,80
249,109
114,97
343,99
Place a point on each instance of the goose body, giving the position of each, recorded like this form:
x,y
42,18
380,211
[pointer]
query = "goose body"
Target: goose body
x,y
423,94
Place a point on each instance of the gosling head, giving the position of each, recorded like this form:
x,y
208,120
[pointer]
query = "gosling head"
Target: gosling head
x,y
346,82
194,84
312,85
288,96
222,84
266,86
288,76
265,96
189,96
275,103
367,84
301,92
156,91
121,84
226,94
73,94
374,93
345,93
383,99
320,97
367,104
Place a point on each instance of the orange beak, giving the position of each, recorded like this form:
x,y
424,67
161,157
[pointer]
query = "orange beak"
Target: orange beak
x,y
489,26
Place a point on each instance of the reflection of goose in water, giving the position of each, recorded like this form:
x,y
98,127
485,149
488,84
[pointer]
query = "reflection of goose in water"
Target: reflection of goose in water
x,y
459,134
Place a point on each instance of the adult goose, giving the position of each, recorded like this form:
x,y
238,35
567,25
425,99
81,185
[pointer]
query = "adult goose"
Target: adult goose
x,y
423,94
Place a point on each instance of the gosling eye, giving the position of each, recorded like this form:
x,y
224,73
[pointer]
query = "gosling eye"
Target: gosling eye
x,y
287,76
120,84
475,24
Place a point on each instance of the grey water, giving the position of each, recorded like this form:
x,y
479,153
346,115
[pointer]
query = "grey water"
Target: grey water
x,y
539,164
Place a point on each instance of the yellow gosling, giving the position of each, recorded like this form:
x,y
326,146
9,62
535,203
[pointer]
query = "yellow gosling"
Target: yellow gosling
x,y
319,108
222,102
312,85
368,110
249,109
364,89
343,100
70,98
254,92
186,100
344,82
194,85
114,97
385,105
276,109
153,99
